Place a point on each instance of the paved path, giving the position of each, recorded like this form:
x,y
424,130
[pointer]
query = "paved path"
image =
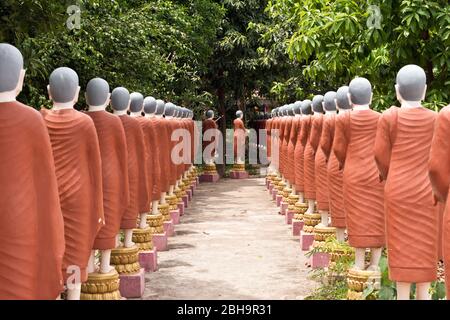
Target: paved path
x,y
231,244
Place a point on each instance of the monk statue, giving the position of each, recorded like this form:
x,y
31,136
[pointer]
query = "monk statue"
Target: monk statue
x,y
113,151
239,138
169,112
335,183
310,151
154,111
402,150
439,172
209,124
31,227
292,146
137,171
321,170
363,192
79,174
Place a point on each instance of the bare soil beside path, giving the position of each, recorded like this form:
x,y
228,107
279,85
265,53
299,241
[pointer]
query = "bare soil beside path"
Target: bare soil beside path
x,y
231,244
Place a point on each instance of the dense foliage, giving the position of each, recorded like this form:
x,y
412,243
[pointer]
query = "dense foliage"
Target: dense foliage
x,y
232,54
340,39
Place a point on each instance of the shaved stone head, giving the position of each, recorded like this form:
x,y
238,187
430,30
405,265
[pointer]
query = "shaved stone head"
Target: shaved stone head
x,y
239,114
149,105
11,65
317,103
169,109
328,100
136,101
411,82
209,114
342,98
97,92
291,111
160,107
306,107
298,107
120,98
360,91
63,85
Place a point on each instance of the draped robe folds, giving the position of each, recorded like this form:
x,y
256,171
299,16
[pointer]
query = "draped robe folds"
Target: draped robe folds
x,y
309,159
78,168
402,151
239,137
162,129
152,159
363,192
137,172
335,177
298,158
292,139
114,155
209,124
320,164
439,173
31,221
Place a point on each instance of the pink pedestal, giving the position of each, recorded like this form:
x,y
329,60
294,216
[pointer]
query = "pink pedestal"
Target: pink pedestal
x,y
239,175
181,208
270,189
289,216
160,241
283,207
193,190
185,200
274,194
132,285
306,240
175,215
297,227
209,178
169,228
278,199
319,260
267,183
189,194
149,260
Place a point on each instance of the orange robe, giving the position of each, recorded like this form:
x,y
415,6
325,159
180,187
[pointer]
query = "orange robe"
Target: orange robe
x,y
402,151
137,172
292,139
281,143
320,164
363,192
209,124
31,222
298,157
309,159
114,154
79,173
335,178
152,159
439,172
162,130
239,137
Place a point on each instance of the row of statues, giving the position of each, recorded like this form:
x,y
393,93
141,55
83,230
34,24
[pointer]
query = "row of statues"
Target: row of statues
x,y
381,177
71,181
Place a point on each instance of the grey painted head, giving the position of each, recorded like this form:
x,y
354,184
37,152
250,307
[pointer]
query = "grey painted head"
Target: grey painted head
x,y
239,114
298,107
317,103
64,84
360,91
97,92
160,107
149,105
209,114
136,101
342,98
169,110
329,101
307,107
411,82
291,111
11,65
120,98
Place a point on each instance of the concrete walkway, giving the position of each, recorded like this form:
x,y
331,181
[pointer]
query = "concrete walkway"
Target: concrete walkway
x,y
231,244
